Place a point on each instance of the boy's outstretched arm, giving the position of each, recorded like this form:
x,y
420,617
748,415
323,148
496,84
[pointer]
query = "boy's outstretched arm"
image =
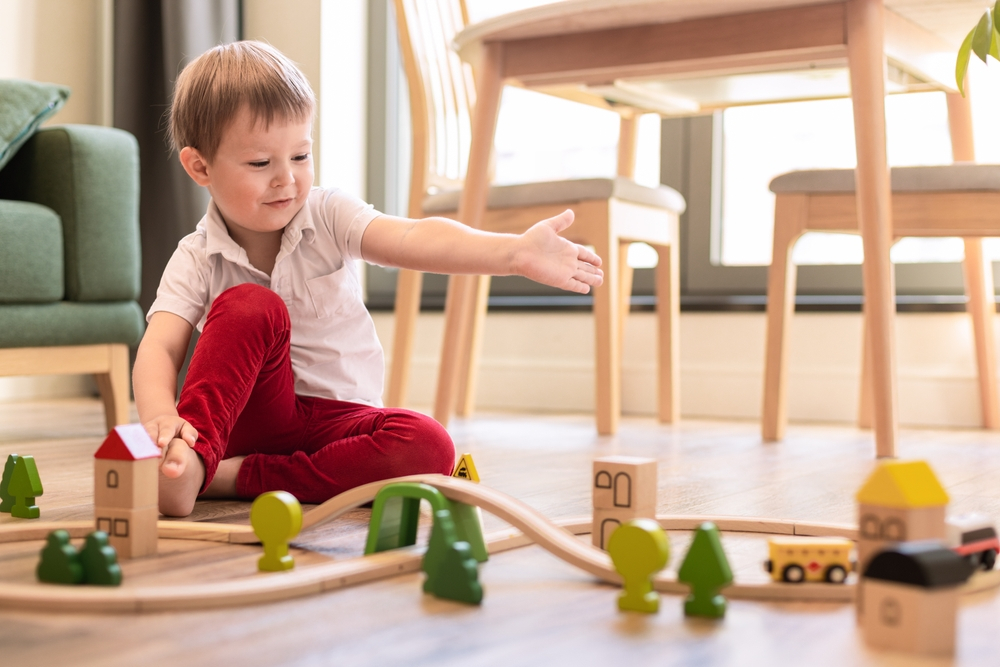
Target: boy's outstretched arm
x,y
439,245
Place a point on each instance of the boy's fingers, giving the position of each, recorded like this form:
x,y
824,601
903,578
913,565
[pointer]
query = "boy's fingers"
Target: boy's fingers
x,y
588,256
561,221
188,434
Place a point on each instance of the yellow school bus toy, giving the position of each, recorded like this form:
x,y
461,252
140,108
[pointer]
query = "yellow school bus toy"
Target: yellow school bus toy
x,y
799,559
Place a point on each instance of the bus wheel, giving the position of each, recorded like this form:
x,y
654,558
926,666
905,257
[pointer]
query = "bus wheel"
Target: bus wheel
x,y
989,559
793,574
835,574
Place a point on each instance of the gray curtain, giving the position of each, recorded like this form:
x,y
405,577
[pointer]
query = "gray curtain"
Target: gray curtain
x,y
153,42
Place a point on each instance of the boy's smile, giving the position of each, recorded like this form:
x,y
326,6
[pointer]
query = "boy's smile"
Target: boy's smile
x,y
259,177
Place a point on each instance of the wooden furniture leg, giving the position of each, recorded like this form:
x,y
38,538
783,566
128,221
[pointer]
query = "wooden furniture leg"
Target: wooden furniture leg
x,y
668,316
606,328
866,408
789,220
114,386
866,60
475,307
407,311
978,272
471,207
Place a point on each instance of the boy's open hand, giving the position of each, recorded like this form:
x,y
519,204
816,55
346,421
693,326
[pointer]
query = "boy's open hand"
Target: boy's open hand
x,y
548,258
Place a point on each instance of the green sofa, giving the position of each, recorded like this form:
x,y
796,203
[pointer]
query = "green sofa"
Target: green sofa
x,y
69,258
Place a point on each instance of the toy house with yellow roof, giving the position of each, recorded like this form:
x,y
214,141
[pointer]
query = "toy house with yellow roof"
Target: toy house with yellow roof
x,y
126,492
901,501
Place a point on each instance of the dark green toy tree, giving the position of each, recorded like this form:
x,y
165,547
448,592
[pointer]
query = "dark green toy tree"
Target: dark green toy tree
x,y
100,561
25,485
60,562
706,570
7,500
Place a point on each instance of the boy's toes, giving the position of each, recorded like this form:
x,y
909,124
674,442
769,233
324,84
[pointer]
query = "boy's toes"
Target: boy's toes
x,y
175,461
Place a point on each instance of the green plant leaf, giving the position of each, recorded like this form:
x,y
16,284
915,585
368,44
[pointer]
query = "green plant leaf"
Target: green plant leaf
x,y
982,36
996,18
962,62
994,45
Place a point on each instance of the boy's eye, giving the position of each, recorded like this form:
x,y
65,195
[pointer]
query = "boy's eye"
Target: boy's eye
x,y
262,163
301,158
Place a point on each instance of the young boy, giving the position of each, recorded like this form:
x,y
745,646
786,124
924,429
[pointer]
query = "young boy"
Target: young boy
x,y
284,388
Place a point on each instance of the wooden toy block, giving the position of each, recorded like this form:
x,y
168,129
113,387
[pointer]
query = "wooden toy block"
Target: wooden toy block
x,y
59,562
126,484
900,501
607,520
276,518
25,485
639,549
7,500
908,597
625,482
466,468
99,560
132,532
706,570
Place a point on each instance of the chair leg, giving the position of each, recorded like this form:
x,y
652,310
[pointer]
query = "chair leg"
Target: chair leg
x,y
407,311
866,397
625,275
478,300
789,216
608,365
114,386
668,317
447,384
982,306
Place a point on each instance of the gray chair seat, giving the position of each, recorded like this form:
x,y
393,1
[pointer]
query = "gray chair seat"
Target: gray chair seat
x,y
962,176
555,192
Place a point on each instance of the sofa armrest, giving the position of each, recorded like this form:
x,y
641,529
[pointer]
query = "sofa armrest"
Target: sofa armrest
x,y
89,175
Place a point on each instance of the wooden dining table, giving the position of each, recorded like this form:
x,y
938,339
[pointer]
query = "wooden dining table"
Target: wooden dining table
x,y
604,48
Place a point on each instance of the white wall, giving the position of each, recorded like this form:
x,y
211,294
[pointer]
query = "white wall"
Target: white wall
x,y
59,41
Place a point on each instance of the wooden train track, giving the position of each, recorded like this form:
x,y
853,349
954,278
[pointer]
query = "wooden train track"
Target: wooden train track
x,y
529,527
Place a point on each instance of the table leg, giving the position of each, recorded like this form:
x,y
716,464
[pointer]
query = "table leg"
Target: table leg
x,y
460,321
866,59
978,271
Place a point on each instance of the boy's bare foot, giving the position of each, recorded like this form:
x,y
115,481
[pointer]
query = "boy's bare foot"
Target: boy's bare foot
x,y
182,473
223,485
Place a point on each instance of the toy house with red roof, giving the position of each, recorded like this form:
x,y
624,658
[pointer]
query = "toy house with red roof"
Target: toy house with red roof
x,y
126,492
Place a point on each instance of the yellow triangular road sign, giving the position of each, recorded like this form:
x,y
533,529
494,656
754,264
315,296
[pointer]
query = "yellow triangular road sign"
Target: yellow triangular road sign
x,y
466,469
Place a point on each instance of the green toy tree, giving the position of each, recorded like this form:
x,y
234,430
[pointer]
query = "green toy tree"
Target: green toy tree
x,y
7,500
25,485
639,549
706,570
100,561
60,562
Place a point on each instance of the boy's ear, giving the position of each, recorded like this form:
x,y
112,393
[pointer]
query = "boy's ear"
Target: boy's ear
x,y
195,165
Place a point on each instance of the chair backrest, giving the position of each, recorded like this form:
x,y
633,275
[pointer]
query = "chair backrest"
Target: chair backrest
x,y
442,93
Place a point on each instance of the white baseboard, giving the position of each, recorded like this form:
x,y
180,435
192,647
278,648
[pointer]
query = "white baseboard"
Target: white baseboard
x,y
544,362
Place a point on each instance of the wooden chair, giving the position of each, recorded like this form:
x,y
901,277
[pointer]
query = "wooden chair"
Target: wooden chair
x,y
951,200
610,213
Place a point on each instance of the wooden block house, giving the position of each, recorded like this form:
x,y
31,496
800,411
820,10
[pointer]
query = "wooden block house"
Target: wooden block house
x,y
126,490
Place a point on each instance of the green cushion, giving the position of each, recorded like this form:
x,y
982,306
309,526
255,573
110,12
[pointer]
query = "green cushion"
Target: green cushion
x,y
31,253
24,105
89,176
67,323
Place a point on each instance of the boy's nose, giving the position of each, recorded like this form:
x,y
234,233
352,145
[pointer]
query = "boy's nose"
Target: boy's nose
x,y
282,178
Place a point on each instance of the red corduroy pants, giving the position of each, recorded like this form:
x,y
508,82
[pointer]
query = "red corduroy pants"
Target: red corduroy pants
x,y
239,394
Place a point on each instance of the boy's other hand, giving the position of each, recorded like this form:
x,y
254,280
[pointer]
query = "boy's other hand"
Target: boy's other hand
x,y
165,428
548,258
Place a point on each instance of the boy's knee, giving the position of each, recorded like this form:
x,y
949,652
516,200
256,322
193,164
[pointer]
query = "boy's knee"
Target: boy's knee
x,y
429,448
248,303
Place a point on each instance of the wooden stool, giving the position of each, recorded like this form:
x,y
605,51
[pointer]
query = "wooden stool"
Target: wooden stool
x,y
950,200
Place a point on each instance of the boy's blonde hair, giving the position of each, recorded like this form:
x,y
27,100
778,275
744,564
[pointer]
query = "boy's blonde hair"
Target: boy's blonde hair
x,y
213,88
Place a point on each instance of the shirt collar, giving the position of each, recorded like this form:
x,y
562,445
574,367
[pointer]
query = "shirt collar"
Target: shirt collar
x,y
219,242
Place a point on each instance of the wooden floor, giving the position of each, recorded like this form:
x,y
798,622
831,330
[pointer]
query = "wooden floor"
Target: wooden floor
x,y
537,609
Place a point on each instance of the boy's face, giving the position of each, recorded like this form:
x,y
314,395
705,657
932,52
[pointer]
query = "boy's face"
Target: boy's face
x,y
260,177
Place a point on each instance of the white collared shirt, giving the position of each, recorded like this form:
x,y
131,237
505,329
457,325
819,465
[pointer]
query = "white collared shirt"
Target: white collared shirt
x,y
335,350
